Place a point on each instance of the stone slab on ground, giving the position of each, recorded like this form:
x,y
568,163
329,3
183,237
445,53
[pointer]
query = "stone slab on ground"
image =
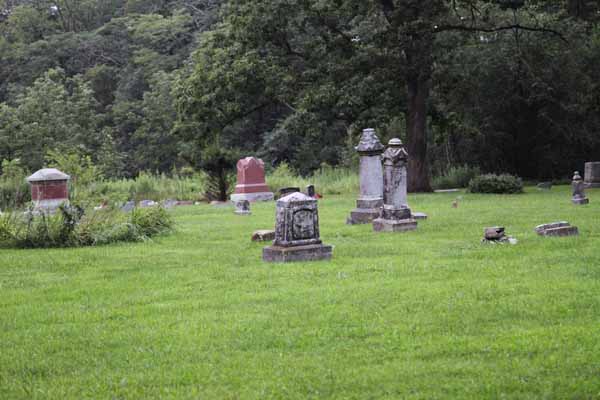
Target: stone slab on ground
x,y
312,252
252,197
263,235
419,215
387,225
362,216
446,191
561,229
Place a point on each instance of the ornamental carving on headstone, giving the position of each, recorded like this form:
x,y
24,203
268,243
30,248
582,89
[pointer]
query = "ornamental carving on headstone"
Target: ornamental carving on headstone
x,y
370,198
395,214
297,231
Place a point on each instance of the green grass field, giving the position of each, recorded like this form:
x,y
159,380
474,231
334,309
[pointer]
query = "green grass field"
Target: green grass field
x,y
431,314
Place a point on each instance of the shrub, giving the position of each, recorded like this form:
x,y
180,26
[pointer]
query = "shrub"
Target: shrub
x,y
455,177
71,227
491,183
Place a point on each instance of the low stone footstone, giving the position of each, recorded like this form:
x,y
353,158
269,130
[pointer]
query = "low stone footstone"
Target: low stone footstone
x,y
251,184
263,235
544,185
497,235
288,190
170,203
297,231
562,228
181,203
592,174
49,189
419,215
129,206
242,207
395,214
370,198
578,190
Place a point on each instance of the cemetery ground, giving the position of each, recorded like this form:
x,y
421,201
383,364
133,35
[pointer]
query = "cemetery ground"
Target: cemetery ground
x,y
426,314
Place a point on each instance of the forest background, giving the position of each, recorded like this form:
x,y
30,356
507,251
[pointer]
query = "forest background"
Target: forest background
x,y
133,86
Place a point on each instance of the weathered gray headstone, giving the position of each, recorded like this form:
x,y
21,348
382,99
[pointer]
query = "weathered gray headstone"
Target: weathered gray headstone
x,y
395,215
497,235
242,207
370,198
592,174
578,190
263,235
288,190
297,231
562,228
310,191
170,203
544,185
147,203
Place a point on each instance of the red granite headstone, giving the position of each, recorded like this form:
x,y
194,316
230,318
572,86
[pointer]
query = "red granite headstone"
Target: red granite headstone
x,y
49,188
251,184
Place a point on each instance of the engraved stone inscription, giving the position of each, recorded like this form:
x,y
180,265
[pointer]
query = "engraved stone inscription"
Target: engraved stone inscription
x,y
304,227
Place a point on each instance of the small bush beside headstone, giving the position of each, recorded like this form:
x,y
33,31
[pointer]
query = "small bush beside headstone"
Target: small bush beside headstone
x,y
499,184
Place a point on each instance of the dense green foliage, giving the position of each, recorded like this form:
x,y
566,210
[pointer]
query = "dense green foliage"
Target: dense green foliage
x,y
492,183
154,85
431,314
72,227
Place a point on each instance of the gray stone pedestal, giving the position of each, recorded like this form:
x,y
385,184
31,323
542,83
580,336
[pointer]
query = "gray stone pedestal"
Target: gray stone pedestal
x,y
578,186
313,252
370,199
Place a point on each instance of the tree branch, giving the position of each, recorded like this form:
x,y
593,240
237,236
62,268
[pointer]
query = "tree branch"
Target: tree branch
x,y
464,28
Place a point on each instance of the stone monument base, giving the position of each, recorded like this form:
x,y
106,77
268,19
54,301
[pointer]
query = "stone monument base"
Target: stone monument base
x,y
580,201
362,216
392,225
311,252
253,197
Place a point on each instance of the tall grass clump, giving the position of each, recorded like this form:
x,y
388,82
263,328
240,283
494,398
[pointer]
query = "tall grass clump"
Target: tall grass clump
x,y
455,177
73,227
14,190
327,180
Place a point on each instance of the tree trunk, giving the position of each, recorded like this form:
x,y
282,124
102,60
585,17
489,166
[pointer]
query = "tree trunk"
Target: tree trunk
x,y
416,127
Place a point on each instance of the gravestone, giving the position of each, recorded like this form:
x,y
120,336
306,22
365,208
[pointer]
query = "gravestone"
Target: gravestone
x,y
147,203
288,190
561,228
370,198
497,235
395,215
242,207
578,190
129,206
49,189
544,185
310,191
297,231
419,215
251,183
592,174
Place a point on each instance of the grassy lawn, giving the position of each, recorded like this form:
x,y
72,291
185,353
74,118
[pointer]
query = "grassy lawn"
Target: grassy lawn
x,y
430,314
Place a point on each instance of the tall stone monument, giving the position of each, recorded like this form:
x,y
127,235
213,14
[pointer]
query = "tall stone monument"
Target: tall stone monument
x,y
297,231
578,190
592,174
251,184
395,214
370,199
49,189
